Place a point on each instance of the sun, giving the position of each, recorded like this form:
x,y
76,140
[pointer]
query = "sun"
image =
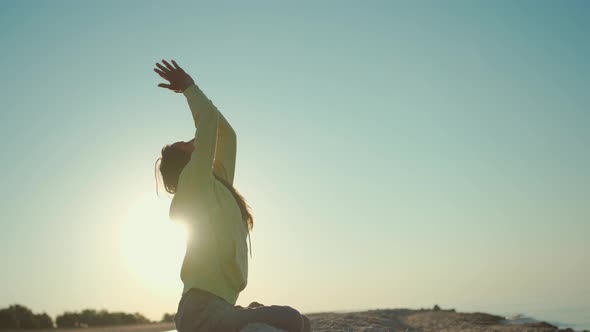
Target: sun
x,y
152,245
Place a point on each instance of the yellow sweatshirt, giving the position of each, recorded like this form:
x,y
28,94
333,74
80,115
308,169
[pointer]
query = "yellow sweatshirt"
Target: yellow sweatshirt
x,y
216,258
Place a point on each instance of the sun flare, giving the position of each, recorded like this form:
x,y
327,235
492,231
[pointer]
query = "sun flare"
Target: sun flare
x,y
151,244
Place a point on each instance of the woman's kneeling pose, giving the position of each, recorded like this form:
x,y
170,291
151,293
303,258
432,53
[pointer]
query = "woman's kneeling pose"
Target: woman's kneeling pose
x,y
200,173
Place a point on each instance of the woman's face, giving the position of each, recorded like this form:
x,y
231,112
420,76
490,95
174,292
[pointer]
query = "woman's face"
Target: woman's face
x,y
186,147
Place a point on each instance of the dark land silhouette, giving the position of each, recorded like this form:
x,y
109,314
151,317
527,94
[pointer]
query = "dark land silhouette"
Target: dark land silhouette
x,y
19,317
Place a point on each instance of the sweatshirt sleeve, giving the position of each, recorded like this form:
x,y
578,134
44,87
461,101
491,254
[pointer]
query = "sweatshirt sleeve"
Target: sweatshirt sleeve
x,y
224,162
225,151
206,118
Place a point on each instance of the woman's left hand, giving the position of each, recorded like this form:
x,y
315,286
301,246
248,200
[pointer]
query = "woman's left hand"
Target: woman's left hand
x,y
178,78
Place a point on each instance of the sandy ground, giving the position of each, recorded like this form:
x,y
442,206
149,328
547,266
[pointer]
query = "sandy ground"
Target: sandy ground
x,y
406,320
387,320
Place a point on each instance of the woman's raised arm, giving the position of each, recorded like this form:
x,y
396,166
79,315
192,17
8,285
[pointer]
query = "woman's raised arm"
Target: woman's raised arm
x,y
198,171
224,162
225,152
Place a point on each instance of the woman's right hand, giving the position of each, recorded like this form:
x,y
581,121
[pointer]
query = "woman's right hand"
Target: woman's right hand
x,y
178,78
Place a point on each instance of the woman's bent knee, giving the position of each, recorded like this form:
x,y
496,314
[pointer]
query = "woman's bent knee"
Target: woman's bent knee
x,y
292,319
282,317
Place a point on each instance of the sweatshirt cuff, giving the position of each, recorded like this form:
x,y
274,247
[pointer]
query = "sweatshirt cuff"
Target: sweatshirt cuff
x,y
191,90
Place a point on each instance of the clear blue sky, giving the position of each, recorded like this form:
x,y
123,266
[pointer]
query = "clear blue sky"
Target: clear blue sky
x,y
395,154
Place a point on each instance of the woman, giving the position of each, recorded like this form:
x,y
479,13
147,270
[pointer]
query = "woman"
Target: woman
x,y
200,173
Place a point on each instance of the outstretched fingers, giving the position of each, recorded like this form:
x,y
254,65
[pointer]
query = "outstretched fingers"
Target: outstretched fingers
x,y
179,80
162,68
176,65
162,74
168,65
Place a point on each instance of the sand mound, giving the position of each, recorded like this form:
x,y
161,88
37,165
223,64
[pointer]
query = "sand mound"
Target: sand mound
x,y
406,320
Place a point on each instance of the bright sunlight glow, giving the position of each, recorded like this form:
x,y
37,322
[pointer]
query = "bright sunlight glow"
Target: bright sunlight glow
x,y
151,244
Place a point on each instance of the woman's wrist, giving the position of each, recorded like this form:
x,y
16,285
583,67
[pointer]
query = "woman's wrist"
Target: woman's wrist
x,y
187,84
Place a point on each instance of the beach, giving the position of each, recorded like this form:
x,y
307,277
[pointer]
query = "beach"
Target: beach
x,y
382,320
